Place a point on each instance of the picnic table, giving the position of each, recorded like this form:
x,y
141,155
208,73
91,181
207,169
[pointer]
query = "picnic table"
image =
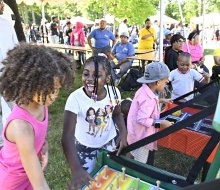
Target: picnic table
x,y
143,51
145,57
69,47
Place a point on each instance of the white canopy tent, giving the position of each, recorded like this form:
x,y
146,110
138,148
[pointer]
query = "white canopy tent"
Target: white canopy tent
x,y
166,19
81,19
210,19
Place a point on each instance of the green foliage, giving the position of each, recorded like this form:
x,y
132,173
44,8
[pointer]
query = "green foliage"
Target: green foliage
x,y
94,10
191,8
135,10
62,11
212,6
172,10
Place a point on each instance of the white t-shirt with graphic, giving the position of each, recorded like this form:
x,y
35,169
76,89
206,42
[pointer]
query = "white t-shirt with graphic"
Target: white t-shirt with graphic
x,y
184,83
94,127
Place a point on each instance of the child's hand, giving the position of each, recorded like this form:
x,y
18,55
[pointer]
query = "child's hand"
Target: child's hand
x,y
44,156
121,142
201,61
165,123
206,75
79,178
164,100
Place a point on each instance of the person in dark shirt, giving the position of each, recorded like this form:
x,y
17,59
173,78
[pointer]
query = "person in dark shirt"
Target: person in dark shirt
x,y
172,52
54,38
44,31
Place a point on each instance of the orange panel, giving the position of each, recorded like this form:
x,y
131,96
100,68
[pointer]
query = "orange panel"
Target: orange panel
x,y
186,141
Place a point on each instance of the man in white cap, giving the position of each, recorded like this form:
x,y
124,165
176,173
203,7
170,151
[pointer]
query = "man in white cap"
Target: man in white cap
x,y
8,40
119,54
123,26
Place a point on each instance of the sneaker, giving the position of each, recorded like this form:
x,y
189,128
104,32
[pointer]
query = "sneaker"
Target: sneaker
x,y
117,82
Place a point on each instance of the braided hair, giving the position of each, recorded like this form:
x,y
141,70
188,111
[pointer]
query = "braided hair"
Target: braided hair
x,y
101,60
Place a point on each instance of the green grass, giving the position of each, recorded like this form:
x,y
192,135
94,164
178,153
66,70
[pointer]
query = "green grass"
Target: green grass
x,y
57,172
208,51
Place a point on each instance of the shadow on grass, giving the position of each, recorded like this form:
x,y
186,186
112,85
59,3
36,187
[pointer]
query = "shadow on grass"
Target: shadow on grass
x,y
58,172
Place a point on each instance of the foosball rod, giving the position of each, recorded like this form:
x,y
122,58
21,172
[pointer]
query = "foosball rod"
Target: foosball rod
x,y
123,170
105,171
117,182
158,184
98,179
137,183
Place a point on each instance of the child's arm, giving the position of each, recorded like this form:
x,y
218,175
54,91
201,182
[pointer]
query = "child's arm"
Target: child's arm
x,y
206,77
79,175
119,121
44,156
164,100
22,134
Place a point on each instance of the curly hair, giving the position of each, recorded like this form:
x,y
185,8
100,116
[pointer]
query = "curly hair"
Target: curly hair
x,y
31,69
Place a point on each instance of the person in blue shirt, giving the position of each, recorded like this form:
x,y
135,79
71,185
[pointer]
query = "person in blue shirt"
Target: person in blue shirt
x,y
119,54
102,38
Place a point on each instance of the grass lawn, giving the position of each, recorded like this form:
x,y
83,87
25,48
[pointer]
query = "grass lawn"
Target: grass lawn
x,y
57,173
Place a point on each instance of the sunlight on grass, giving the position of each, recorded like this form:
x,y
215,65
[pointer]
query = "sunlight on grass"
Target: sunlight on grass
x,y
58,174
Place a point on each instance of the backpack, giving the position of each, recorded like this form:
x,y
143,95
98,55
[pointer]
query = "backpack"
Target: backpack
x,y
130,81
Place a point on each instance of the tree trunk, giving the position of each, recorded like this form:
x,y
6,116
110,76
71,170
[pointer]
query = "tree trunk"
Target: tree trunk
x,y
18,27
33,14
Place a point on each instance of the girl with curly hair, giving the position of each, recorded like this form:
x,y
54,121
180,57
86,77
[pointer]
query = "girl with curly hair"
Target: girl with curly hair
x,y
31,78
80,147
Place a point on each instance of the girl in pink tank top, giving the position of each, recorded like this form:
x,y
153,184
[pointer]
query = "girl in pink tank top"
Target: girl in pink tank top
x,y
31,78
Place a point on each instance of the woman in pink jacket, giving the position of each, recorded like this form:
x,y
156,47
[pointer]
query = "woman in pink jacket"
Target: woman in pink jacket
x,y
78,39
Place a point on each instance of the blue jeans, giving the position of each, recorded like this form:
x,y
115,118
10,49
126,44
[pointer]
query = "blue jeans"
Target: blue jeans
x,y
124,67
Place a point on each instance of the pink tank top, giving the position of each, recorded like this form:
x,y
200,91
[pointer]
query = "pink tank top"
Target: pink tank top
x,y
9,155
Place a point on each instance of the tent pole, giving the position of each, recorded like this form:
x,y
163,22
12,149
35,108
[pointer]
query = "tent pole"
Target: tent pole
x,y
161,31
181,13
203,23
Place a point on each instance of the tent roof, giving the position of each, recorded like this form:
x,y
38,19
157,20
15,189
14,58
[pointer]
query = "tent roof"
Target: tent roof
x,y
166,19
81,19
210,19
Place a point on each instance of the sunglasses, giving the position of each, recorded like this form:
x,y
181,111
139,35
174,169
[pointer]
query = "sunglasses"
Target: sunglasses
x,y
180,41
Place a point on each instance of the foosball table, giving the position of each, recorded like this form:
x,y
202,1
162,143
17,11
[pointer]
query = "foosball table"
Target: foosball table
x,y
111,179
110,175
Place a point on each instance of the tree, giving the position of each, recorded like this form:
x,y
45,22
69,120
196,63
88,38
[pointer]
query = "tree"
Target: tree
x,y
94,10
135,10
18,27
172,10
63,10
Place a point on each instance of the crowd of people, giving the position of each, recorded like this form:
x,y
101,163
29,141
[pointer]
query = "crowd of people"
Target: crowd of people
x,y
95,116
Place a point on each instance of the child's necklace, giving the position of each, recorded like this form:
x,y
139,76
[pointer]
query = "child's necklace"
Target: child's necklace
x,y
101,96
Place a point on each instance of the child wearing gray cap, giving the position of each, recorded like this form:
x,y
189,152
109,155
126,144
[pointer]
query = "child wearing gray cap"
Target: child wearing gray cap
x,y
143,117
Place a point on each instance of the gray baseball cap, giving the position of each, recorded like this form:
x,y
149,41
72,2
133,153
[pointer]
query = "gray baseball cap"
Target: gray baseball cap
x,y
154,71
